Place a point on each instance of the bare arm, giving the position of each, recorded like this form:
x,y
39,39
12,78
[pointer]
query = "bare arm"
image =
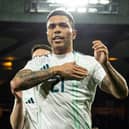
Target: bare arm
x,y
17,116
25,79
113,83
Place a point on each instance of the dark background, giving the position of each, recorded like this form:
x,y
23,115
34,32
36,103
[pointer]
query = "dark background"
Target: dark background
x,y
19,31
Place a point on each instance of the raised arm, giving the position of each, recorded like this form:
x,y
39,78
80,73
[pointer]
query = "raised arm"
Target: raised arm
x,y
26,79
113,83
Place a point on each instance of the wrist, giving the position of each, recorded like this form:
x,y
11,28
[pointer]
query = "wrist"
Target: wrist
x,y
18,100
106,65
55,70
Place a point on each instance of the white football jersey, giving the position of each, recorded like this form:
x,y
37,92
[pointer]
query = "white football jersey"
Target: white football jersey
x,y
68,104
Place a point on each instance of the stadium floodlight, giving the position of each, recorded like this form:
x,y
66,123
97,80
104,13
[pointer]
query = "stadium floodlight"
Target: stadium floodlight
x,y
93,1
104,1
81,10
79,6
70,3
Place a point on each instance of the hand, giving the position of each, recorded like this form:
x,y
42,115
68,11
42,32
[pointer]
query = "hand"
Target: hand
x,y
100,51
71,71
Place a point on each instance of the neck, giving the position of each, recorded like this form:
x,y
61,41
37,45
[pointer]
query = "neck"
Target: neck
x,y
61,51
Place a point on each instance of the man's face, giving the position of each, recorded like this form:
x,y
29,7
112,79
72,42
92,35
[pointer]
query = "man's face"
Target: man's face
x,y
40,52
60,34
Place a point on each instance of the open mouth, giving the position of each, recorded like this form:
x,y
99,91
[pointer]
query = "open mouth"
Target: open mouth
x,y
58,38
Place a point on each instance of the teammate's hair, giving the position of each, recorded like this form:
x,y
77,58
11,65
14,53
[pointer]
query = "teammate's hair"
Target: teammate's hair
x,y
40,46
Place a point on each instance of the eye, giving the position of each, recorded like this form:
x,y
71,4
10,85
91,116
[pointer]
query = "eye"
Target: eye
x,y
52,26
63,25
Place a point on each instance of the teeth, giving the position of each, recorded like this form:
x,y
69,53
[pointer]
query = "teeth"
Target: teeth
x,y
57,37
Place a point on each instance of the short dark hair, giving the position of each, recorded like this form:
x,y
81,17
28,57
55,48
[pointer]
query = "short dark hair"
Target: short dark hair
x,y
60,11
40,46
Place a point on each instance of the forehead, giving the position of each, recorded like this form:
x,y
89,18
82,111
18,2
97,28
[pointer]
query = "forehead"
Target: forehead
x,y
58,19
39,52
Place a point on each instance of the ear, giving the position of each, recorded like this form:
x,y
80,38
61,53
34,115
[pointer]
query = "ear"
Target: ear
x,y
74,34
46,33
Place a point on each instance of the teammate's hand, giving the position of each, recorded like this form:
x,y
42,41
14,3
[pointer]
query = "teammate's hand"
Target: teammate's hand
x,y
17,95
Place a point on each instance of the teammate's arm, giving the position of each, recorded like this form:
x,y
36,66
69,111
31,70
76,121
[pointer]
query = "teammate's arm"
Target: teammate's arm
x,y
17,114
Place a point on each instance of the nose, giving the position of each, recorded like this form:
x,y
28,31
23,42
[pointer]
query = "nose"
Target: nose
x,y
57,29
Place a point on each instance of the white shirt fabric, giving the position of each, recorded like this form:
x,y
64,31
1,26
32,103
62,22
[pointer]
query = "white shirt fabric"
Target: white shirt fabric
x,y
30,106
68,104
30,109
